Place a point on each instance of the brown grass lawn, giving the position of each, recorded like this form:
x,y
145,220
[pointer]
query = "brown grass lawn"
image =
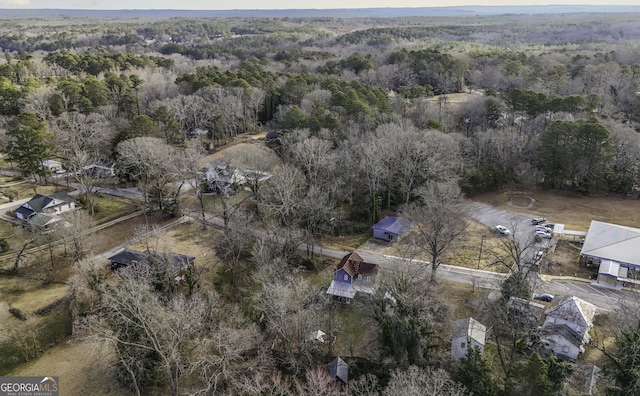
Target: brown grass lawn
x,y
227,152
38,298
75,363
346,242
188,238
212,204
26,295
25,190
115,235
463,252
573,211
563,261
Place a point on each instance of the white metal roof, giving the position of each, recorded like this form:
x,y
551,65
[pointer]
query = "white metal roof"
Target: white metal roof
x,y
612,242
341,289
609,267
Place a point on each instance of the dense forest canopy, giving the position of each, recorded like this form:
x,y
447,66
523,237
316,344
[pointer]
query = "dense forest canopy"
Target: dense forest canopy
x,y
333,73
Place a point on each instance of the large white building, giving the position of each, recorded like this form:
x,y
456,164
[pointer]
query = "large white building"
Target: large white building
x,y
615,249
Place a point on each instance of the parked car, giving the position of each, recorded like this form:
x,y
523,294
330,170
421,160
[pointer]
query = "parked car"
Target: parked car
x,y
544,228
502,230
544,234
543,297
550,225
538,220
539,255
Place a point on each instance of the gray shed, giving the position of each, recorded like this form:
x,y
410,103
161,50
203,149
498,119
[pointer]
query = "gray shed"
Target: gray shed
x,y
339,369
391,228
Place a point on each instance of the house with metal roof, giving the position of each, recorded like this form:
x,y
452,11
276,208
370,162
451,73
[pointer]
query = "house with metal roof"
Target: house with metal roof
x,y
467,333
615,249
339,370
566,328
391,228
43,210
52,166
353,275
525,310
100,169
178,263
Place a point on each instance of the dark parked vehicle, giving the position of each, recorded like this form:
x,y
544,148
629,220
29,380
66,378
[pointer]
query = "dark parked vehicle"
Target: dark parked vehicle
x,y
538,220
543,297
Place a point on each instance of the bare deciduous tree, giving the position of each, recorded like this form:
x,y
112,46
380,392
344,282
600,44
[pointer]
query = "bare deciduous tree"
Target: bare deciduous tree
x,y
38,102
258,161
286,310
423,381
77,236
409,316
282,197
159,340
318,383
189,170
83,140
440,218
233,245
151,163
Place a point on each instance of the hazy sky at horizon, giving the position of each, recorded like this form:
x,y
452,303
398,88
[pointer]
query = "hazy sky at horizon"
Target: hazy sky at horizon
x,y
286,4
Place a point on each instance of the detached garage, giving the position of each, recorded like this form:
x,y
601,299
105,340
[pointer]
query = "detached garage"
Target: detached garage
x,y
391,228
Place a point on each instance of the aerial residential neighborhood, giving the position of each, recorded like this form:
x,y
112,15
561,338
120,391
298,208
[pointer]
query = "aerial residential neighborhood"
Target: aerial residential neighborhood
x,y
352,201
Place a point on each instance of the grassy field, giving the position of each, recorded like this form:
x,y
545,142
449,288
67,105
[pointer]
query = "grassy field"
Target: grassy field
x,y
80,372
28,189
110,208
575,212
38,297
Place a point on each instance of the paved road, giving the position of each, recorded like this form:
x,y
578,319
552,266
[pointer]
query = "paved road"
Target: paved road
x,y
604,299
520,225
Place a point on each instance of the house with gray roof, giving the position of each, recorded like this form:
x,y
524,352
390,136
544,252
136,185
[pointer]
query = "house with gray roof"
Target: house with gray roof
x,y
566,328
100,169
615,249
43,210
467,333
525,310
391,228
353,275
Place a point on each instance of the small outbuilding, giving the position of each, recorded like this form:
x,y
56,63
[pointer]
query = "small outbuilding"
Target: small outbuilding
x,y
467,332
391,228
52,165
317,336
339,370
